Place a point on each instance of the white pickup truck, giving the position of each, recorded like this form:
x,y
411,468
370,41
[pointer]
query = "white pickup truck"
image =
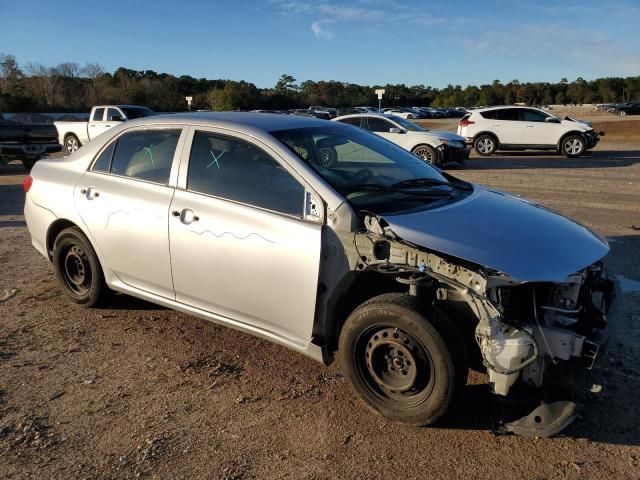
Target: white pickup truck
x,y
72,135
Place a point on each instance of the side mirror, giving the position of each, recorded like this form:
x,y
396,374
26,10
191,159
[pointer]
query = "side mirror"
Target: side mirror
x,y
552,120
396,130
116,118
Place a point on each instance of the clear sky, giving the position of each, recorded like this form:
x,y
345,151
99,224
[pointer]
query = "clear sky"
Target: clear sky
x,y
362,41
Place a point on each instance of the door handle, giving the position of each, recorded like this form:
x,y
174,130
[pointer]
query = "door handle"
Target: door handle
x,y
186,216
90,193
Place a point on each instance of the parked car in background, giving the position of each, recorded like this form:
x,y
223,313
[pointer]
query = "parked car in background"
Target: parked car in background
x,y
629,108
332,112
405,113
72,135
402,271
525,128
26,142
435,147
305,112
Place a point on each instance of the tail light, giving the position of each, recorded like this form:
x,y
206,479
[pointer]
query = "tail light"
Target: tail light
x,y
465,123
26,183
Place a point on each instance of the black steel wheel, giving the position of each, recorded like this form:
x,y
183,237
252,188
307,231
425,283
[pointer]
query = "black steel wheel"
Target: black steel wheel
x,y
77,267
405,361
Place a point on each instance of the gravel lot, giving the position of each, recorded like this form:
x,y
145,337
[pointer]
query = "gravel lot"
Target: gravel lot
x,y
137,391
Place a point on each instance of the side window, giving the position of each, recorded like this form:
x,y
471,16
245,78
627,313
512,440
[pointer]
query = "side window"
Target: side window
x,y
379,125
490,114
237,170
112,114
533,116
351,121
103,162
98,114
145,154
510,114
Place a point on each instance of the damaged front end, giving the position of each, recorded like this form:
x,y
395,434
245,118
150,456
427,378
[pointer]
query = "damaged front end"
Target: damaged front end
x,y
535,338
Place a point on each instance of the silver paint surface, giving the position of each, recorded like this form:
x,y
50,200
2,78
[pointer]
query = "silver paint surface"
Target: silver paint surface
x,y
526,241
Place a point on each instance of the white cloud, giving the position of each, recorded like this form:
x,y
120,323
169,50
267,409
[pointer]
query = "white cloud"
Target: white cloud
x,y
321,32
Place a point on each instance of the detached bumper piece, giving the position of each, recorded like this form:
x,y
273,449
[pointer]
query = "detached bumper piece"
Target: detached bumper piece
x,y
453,154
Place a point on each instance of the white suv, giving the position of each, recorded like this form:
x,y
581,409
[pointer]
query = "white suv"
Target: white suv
x,y
523,128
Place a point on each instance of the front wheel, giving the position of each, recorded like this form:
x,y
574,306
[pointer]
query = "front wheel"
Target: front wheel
x,y
572,146
405,362
77,268
71,143
427,153
622,113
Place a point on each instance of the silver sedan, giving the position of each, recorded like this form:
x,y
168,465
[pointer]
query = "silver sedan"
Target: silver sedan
x,y
329,239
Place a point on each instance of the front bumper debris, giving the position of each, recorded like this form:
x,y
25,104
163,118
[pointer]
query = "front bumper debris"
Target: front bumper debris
x,y
555,407
453,154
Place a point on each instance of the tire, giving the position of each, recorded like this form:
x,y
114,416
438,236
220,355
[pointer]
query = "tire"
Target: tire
x,y
573,146
486,144
406,362
622,113
77,268
71,143
427,153
327,156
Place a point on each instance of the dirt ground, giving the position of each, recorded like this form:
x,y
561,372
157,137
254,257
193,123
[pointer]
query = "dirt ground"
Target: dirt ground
x,y
138,391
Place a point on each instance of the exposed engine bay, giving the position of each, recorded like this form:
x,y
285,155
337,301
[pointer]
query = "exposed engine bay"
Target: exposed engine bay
x,y
535,339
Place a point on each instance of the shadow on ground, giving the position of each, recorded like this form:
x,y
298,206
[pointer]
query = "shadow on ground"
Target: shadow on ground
x,y
533,160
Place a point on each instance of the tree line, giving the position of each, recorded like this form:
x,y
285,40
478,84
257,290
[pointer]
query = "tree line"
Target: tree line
x,y
70,87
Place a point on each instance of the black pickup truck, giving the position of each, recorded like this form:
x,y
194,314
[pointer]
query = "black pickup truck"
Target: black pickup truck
x,y
26,142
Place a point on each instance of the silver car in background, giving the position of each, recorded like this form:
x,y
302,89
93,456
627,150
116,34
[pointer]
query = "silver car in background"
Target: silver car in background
x,y
409,274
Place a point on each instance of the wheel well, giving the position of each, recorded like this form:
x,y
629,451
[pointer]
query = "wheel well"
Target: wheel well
x,y
487,133
355,289
568,134
53,232
422,145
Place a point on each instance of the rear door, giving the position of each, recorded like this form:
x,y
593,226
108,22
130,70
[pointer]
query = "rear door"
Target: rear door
x,y
507,126
241,247
96,122
124,198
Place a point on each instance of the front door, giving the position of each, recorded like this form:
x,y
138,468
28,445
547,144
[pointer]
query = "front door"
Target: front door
x,y
124,202
536,130
240,247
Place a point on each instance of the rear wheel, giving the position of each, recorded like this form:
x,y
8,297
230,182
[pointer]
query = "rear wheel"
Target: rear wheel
x,y
405,362
77,268
427,153
572,146
486,145
71,143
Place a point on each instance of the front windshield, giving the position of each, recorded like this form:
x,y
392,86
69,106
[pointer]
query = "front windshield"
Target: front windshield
x,y
406,124
367,169
138,112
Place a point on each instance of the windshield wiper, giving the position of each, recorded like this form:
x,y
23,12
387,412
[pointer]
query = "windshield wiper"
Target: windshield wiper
x,y
363,187
430,182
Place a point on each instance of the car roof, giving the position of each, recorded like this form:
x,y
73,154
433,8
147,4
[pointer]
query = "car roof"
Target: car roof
x,y
264,122
502,107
